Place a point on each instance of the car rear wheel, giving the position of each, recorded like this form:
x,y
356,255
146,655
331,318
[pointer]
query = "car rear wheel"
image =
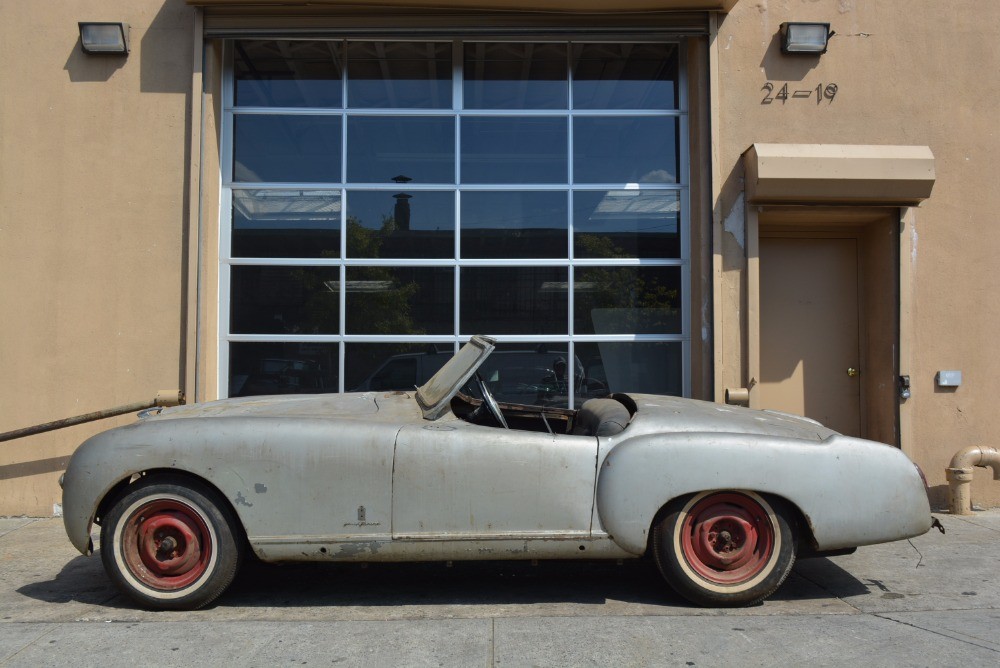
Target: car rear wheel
x,y
170,543
724,548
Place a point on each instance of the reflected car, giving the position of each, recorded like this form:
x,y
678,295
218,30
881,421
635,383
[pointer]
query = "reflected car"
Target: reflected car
x,y
534,377
724,499
280,376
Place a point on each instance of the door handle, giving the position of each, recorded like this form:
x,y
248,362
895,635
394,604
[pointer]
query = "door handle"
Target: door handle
x,y
852,372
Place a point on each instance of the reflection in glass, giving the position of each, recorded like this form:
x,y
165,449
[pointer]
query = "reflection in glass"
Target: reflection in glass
x,y
627,300
515,75
286,223
400,300
514,150
645,368
397,75
625,76
514,300
286,149
287,73
626,223
387,224
418,148
380,367
282,368
625,150
285,300
514,224
534,374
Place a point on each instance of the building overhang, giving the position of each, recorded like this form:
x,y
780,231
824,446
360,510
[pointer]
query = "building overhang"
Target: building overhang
x,y
838,174
588,6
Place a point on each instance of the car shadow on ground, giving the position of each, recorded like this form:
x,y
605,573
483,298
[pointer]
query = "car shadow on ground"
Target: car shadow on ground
x,y
505,583
498,583
81,580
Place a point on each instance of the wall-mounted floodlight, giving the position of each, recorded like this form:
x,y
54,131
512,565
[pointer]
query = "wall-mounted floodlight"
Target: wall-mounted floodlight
x,y
104,38
808,38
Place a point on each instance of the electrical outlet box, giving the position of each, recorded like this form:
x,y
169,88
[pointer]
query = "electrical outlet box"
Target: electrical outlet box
x,y
948,378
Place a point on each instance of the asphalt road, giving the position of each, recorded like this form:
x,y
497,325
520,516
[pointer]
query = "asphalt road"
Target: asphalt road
x,y
930,601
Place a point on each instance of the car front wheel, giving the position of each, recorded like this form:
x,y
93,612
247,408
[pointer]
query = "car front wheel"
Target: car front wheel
x,y
170,543
724,548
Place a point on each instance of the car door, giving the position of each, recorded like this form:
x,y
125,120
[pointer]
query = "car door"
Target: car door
x,y
459,480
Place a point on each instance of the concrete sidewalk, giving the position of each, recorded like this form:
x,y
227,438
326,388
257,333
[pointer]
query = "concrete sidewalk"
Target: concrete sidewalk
x,y
931,601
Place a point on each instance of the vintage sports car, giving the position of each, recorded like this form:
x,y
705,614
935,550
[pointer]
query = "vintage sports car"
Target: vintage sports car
x,y
722,498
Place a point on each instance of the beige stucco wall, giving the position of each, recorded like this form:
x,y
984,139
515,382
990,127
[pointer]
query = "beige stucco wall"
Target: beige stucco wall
x,y
93,192
915,73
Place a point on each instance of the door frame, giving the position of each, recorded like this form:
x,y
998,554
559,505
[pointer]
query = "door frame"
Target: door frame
x,y
890,421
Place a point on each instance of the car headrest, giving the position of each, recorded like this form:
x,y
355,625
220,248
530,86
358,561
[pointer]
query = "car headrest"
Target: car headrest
x,y
601,417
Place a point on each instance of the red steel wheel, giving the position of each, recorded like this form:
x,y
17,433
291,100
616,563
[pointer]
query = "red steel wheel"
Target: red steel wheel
x,y
169,542
727,538
725,547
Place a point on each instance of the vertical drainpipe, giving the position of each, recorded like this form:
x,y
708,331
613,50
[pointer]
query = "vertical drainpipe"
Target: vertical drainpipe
x,y
716,189
191,381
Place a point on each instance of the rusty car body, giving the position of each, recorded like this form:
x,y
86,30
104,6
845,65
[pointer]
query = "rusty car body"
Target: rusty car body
x,y
723,498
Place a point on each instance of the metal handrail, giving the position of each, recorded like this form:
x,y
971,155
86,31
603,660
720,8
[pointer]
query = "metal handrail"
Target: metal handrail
x,y
163,398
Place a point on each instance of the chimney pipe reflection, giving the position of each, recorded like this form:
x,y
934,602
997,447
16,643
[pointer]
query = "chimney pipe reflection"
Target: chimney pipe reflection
x,y
401,212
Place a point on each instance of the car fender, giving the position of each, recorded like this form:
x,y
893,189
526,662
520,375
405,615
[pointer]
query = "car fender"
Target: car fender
x,y
270,470
851,492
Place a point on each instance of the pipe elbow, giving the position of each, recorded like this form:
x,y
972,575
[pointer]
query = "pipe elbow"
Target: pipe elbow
x,y
976,455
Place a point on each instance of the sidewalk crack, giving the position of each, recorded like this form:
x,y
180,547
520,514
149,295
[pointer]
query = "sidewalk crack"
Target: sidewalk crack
x,y
839,598
885,616
29,643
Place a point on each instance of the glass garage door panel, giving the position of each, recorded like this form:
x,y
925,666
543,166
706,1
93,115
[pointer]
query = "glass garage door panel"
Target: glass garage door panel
x,y
514,224
383,149
514,75
400,300
387,199
627,300
399,75
282,368
400,224
285,300
625,76
514,149
626,224
382,367
646,368
514,300
287,73
286,223
286,149
620,149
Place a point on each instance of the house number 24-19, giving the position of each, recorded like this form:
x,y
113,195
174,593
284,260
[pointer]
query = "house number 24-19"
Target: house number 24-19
x,y
783,94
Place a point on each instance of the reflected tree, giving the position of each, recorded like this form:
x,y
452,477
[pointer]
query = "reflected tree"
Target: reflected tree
x,y
624,299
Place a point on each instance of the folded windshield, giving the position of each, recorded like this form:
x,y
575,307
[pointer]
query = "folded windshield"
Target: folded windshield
x,y
435,395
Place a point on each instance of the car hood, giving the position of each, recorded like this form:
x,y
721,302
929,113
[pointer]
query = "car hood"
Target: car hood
x,y
301,405
657,413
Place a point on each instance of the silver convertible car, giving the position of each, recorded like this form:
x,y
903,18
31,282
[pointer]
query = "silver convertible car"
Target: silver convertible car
x,y
722,498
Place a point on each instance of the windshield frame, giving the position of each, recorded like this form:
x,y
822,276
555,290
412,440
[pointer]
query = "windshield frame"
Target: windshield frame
x,y
434,396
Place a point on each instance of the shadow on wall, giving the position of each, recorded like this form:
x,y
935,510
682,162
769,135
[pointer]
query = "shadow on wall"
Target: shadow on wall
x,y
36,467
83,67
164,51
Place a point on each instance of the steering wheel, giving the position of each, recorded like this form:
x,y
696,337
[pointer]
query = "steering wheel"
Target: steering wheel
x,y
491,403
